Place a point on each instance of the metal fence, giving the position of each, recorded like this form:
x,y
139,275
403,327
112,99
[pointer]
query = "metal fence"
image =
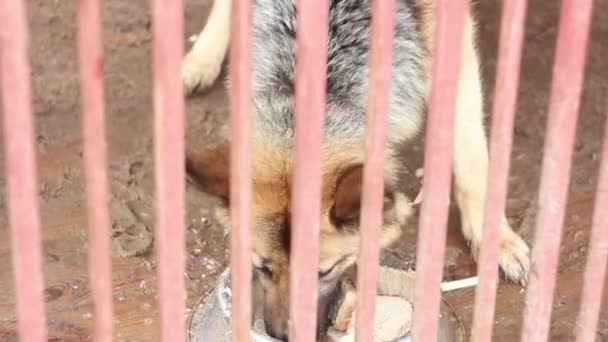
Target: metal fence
x,y
310,98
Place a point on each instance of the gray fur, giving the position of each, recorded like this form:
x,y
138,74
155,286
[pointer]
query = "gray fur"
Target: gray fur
x,y
347,77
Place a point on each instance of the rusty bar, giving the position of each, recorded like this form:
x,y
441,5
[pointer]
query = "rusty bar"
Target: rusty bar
x,y
241,89
503,114
311,67
95,160
575,18
168,33
21,172
595,270
437,167
382,29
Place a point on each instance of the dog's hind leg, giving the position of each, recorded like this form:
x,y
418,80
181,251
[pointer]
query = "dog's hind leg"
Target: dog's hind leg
x,y
202,65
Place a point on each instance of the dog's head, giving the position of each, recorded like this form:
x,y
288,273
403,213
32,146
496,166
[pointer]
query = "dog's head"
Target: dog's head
x,y
342,173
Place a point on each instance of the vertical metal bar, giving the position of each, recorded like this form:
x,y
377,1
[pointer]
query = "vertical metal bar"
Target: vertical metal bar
x,y
241,89
382,29
575,18
95,160
311,67
437,167
503,114
21,170
597,258
168,28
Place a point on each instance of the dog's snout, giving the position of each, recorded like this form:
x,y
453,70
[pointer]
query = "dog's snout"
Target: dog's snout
x,y
276,327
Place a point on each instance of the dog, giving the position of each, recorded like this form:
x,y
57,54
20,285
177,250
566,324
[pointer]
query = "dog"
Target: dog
x,y
274,41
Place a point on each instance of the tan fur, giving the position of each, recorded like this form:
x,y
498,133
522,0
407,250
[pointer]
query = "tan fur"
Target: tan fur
x,y
208,166
273,166
271,208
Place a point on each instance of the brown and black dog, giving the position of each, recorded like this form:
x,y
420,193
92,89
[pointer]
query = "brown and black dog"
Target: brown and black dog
x,y
274,29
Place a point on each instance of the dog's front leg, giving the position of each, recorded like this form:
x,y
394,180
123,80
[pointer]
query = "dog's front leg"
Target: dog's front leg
x,y
471,167
202,65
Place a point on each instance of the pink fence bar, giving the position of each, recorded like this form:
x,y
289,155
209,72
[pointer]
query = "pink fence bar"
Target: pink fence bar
x,y
597,257
240,167
310,110
503,113
21,170
437,167
575,18
91,76
168,25
382,27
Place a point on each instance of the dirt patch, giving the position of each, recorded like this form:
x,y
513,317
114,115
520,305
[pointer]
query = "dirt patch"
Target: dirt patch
x,y
132,205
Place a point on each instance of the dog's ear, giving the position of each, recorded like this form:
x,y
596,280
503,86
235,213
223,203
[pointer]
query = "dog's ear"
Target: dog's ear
x,y
209,168
347,197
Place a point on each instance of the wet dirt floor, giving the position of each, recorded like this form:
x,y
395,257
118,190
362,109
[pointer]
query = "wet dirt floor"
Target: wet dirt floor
x,y
129,117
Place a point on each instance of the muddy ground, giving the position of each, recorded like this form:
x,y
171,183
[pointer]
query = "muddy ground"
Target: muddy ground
x,y
129,118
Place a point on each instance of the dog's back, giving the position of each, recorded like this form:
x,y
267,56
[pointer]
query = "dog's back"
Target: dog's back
x,y
347,71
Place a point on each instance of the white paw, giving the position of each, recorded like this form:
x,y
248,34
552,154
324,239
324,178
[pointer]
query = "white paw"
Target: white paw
x,y
514,258
199,73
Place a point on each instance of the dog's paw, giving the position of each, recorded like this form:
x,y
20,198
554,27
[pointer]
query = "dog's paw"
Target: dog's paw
x,y
514,257
199,72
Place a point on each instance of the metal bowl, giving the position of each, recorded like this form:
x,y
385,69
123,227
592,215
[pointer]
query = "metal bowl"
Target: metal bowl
x,y
210,320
